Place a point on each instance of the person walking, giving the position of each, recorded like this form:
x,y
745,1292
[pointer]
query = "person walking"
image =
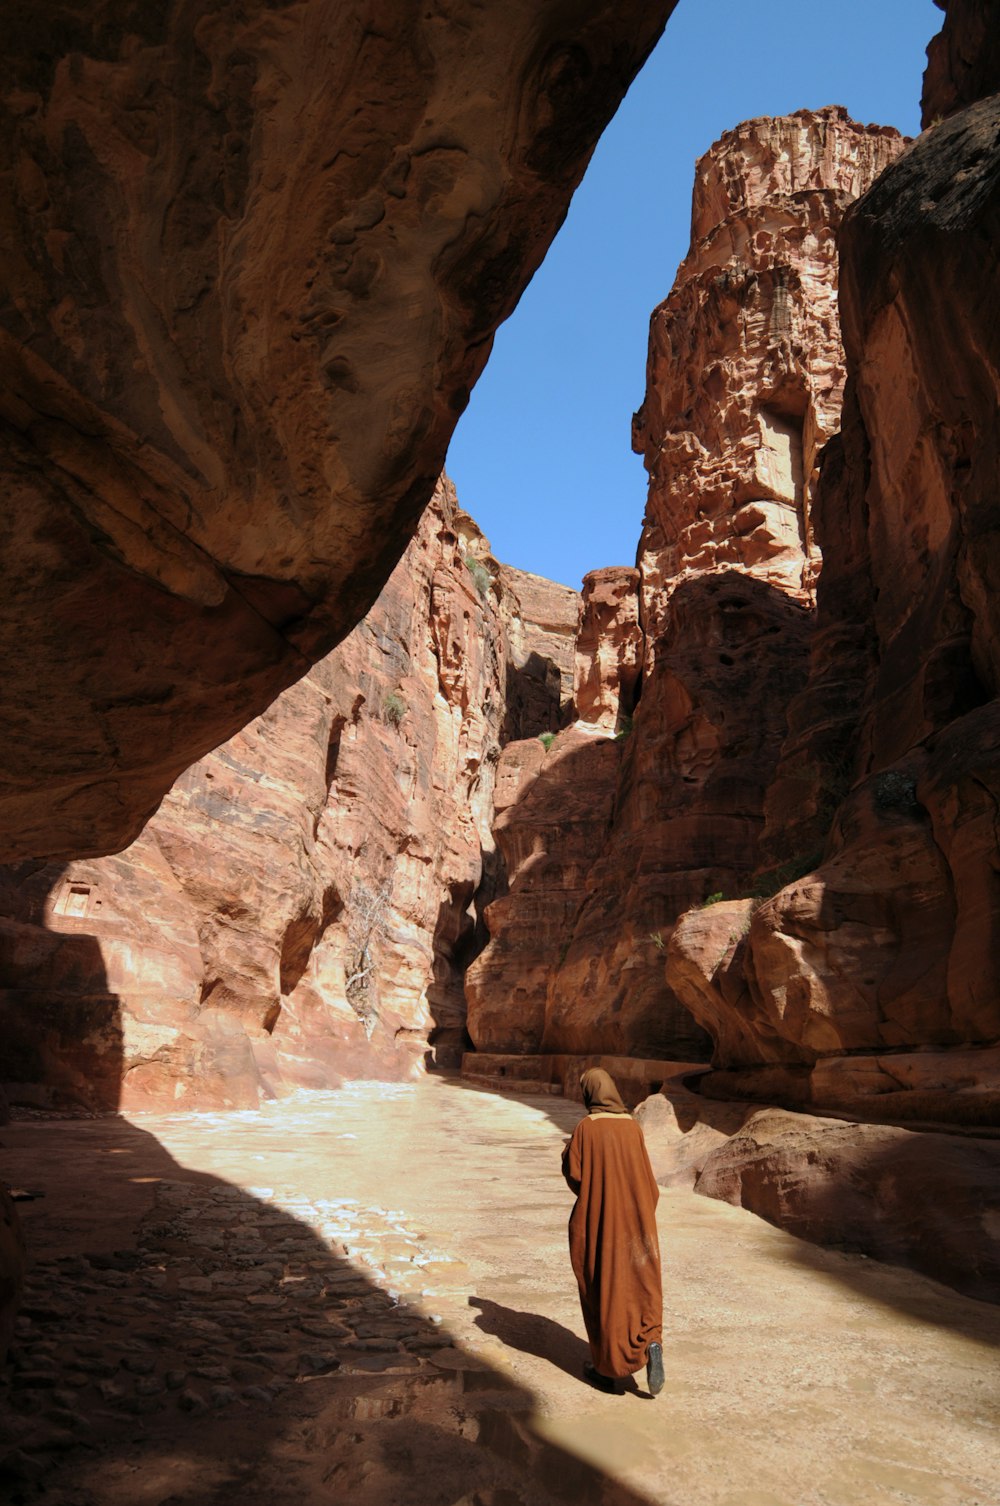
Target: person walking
x,y
613,1243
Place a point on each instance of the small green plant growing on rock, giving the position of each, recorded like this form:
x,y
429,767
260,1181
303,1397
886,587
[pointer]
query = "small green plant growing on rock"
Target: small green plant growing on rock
x,y
712,899
656,937
546,739
481,576
393,709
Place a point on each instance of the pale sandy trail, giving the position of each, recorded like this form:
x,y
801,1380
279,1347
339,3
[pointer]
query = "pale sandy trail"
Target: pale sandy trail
x,y
795,1377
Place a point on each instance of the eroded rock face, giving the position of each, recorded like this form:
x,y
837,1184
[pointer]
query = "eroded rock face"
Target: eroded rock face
x,y
745,372
886,939
12,1265
922,1200
609,647
540,625
301,906
710,636
255,259
744,383
553,812
963,60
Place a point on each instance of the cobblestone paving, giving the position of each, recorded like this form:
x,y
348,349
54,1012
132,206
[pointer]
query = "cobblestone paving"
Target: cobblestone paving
x,y
228,1300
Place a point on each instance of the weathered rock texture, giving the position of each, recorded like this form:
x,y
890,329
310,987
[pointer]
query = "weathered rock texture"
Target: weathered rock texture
x,y
884,946
745,372
963,60
745,380
609,647
539,638
553,812
254,259
922,1200
12,1266
302,905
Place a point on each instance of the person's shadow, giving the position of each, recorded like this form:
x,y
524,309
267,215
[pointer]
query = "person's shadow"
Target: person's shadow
x,y
532,1333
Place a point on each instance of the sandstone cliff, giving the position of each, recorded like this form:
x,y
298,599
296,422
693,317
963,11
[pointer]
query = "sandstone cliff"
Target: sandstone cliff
x,y
254,259
859,981
606,844
302,905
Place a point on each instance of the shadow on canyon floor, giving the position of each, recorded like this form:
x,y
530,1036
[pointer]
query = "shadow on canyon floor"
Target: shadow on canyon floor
x,y
182,1341
845,1234
532,1333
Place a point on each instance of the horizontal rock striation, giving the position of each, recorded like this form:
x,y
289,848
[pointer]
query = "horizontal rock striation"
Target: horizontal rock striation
x,y
303,904
886,940
255,257
745,372
692,659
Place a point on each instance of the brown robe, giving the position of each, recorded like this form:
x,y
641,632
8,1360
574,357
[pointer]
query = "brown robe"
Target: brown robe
x,y
612,1240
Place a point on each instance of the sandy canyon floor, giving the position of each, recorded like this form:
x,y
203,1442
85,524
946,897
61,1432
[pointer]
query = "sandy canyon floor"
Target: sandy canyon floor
x,y
365,1296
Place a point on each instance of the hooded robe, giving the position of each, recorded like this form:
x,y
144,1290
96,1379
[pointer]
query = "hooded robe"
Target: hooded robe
x,y
613,1243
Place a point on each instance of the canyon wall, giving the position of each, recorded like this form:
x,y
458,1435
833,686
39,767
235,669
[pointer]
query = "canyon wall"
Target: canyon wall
x,y
303,903
870,981
254,258
693,658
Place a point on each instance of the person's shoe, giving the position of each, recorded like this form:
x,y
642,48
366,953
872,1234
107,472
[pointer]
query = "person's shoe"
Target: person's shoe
x,y
596,1379
654,1369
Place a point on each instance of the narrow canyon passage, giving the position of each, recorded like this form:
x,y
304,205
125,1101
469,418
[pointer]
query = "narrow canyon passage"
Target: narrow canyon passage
x,y
366,1295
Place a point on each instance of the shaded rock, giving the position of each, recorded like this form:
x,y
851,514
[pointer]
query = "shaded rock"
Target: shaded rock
x,y
682,1130
13,1260
256,264
883,813
553,809
963,60
303,904
922,1200
540,623
744,383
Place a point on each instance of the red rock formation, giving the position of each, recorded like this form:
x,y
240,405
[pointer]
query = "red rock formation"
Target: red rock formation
x,y
553,812
540,621
923,1200
12,1264
745,371
609,647
255,260
963,60
745,378
744,383
889,942
301,905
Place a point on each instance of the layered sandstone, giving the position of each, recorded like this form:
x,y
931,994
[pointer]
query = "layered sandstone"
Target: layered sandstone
x,y
745,373
554,808
884,946
927,1201
609,648
304,902
553,812
744,383
255,257
710,636
540,620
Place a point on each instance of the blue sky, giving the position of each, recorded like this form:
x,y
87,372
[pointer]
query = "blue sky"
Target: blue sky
x,y
542,457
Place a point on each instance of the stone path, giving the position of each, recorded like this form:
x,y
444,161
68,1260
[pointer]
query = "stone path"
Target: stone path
x,y
366,1296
